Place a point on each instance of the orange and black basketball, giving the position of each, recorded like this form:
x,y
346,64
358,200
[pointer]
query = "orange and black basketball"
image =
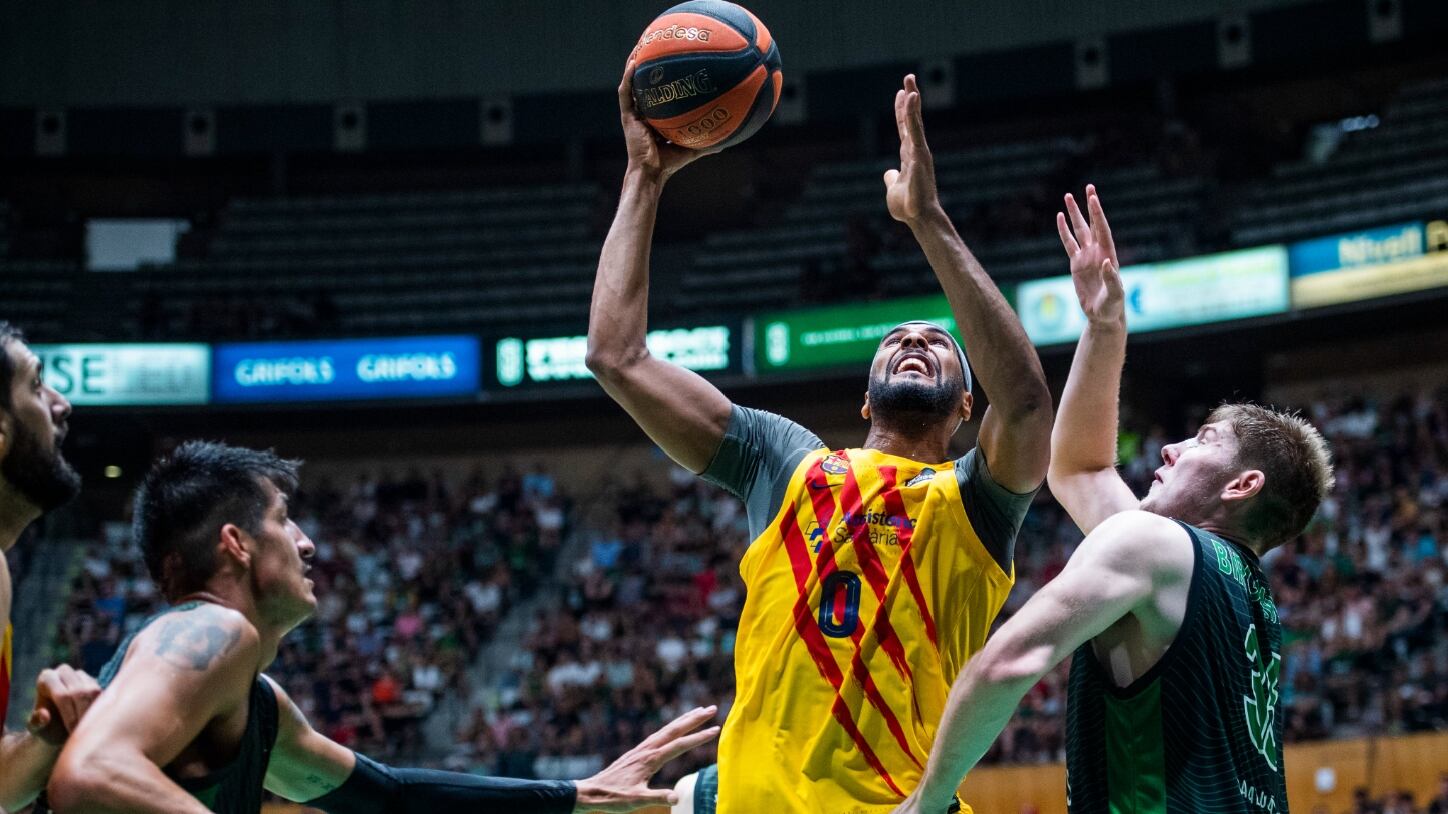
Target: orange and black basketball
x,y
706,74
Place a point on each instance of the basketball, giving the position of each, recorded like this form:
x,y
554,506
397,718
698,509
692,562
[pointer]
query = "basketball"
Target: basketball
x,y
706,74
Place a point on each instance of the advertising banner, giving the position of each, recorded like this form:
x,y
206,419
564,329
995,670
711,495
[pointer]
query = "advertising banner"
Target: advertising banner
x,y
553,359
128,374
837,335
1368,264
328,370
1195,291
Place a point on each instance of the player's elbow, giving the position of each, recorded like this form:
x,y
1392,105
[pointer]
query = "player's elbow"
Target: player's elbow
x,y
1009,665
72,787
1029,408
80,782
611,364
1066,477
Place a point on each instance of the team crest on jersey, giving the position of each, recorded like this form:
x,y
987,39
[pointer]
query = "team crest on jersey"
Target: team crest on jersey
x,y
1261,706
834,464
926,475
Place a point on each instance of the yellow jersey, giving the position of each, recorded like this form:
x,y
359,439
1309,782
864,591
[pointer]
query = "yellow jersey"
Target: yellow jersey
x,y
867,590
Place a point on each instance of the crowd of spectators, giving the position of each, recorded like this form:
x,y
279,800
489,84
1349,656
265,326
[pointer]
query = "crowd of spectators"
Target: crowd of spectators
x,y
412,574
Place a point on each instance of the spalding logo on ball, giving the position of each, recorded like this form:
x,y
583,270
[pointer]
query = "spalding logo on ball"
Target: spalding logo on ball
x,y
706,74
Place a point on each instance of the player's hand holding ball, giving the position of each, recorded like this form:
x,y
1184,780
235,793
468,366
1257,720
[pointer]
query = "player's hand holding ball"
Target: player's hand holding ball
x,y
910,191
704,75
648,152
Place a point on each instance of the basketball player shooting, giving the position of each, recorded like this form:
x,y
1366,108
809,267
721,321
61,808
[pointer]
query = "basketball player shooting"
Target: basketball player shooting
x,y
1173,702
874,571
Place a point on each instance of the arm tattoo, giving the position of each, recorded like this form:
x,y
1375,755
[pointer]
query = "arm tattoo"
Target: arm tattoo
x,y
320,782
193,643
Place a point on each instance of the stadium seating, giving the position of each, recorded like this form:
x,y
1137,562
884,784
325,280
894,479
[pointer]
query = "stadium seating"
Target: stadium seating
x,y
367,264
1392,172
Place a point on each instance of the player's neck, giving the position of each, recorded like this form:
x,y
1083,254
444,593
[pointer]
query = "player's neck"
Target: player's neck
x,y
16,514
926,444
233,597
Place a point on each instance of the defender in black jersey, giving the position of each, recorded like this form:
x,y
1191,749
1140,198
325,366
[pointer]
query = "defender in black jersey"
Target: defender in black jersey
x,y
188,723
1173,704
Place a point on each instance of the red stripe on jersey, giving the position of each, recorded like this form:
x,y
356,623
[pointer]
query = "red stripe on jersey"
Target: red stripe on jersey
x,y
875,574
884,633
894,504
819,650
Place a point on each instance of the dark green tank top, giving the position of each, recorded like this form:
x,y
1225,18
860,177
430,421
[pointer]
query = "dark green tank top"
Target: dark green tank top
x,y
1201,731
236,788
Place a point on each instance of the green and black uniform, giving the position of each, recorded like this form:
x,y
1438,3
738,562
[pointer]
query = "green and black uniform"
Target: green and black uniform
x,y
1200,732
237,787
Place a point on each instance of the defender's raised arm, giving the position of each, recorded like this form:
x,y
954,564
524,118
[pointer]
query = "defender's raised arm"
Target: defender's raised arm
x,y
1083,473
684,414
1015,432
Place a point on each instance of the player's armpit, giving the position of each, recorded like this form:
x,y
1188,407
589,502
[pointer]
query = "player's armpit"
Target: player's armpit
x,y
305,764
180,674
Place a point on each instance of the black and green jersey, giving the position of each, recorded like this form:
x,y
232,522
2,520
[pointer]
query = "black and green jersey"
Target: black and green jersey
x,y
237,787
1200,732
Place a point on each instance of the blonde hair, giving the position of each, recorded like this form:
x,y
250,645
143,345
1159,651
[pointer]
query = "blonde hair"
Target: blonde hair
x,y
1295,459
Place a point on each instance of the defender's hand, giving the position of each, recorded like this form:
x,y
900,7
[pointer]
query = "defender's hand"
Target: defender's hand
x,y
624,786
910,191
647,150
62,696
1095,269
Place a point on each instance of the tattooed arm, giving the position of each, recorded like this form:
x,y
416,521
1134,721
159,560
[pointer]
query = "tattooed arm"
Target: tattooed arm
x,y
189,671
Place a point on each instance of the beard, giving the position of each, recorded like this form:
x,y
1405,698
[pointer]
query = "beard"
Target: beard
x,y
43,477
909,400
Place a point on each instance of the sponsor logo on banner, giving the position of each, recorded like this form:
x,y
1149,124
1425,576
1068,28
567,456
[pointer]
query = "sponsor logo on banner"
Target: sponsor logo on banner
x,y
1368,264
390,368
562,358
128,374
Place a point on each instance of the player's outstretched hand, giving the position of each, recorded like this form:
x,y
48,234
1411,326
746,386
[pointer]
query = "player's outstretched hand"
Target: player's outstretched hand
x,y
647,150
1095,269
624,786
910,191
62,695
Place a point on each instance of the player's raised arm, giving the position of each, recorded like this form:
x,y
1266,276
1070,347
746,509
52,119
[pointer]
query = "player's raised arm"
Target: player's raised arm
x,y
684,414
1115,571
1083,473
307,767
179,677
1015,432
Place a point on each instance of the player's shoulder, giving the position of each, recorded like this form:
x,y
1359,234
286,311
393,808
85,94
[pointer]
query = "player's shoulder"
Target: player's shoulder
x,y
202,637
1144,540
